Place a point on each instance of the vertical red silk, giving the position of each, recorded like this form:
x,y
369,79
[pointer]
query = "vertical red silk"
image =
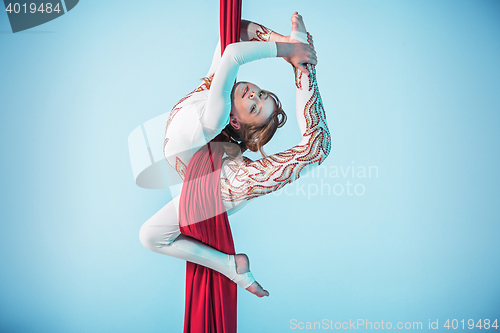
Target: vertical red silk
x,y
230,22
210,296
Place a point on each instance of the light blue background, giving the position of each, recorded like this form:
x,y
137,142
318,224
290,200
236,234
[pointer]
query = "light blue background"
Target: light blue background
x,y
411,87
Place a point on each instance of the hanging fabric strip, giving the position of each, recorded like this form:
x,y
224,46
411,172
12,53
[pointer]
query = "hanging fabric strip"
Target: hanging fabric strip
x,y
230,22
210,296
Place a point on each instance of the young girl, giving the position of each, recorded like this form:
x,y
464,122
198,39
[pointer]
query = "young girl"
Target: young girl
x,y
243,114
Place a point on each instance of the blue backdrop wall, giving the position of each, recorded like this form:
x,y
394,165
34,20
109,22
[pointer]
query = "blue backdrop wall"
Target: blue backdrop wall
x,y
411,94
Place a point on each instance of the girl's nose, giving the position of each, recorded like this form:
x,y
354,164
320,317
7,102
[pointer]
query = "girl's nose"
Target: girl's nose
x,y
252,94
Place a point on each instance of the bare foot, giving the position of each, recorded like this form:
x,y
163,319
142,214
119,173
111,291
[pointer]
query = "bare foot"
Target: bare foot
x,y
243,266
298,23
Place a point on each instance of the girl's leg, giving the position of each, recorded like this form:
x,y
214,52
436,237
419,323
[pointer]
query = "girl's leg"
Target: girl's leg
x,y
161,234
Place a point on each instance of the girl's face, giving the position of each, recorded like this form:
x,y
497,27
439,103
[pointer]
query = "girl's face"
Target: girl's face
x,y
250,105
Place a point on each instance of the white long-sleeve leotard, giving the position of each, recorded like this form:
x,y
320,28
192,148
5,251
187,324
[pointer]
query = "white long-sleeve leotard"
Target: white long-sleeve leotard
x,y
202,114
241,179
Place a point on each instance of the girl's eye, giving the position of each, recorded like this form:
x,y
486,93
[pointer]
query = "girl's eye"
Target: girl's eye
x,y
252,110
262,93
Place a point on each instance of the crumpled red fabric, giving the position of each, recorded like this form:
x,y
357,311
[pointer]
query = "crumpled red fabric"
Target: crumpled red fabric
x,y
210,296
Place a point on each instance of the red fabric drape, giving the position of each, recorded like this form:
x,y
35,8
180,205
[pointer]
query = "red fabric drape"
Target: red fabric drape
x,y
230,22
210,296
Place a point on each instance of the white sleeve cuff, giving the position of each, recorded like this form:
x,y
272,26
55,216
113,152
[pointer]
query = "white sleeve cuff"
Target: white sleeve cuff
x,y
274,49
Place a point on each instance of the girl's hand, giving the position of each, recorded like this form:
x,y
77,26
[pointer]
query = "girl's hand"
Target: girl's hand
x,y
297,54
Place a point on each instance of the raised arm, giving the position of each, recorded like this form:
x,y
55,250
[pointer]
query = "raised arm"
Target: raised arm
x,y
218,107
216,114
249,32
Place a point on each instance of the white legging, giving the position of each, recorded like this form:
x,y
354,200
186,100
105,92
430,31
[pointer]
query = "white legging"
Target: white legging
x,y
161,234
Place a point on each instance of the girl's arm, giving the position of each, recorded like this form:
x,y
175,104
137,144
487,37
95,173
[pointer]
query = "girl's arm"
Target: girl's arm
x,y
216,114
249,32
218,106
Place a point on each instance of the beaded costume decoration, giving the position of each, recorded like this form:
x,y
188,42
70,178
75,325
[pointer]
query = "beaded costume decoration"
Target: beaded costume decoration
x,y
262,35
250,179
180,166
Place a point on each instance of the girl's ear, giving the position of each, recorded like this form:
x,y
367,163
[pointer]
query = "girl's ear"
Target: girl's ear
x,y
235,123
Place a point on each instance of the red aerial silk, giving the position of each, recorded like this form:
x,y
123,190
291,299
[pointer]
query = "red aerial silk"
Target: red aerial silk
x,y
230,22
210,296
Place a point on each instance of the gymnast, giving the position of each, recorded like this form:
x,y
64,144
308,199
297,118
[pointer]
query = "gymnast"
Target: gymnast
x,y
246,117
